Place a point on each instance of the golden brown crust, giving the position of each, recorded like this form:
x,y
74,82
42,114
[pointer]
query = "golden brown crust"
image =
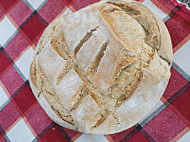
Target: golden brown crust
x,y
99,75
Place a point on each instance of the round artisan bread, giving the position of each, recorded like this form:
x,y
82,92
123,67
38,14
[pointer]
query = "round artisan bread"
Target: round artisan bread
x,y
101,69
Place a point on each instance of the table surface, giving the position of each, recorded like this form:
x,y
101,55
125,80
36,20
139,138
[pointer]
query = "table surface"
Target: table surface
x,y
21,117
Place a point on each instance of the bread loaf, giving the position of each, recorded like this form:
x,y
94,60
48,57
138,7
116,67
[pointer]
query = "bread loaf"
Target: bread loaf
x,y
101,69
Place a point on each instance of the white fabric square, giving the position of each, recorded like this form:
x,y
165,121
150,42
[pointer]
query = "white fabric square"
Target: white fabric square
x,y
91,138
182,58
36,3
3,96
154,8
20,133
24,62
7,30
185,138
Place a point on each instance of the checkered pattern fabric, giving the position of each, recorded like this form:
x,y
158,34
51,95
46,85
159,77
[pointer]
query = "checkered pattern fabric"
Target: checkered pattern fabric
x,y
21,117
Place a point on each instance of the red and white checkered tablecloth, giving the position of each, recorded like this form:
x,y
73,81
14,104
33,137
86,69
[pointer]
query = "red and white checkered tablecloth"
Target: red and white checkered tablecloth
x,y
21,117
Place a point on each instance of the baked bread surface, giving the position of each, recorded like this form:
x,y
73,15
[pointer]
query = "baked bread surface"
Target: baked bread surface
x,y
101,69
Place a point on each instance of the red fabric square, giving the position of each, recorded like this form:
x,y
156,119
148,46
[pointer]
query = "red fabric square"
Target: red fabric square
x,y
25,98
11,80
182,104
1,13
166,3
53,135
165,126
139,137
1,135
37,118
78,4
33,28
178,28
176,82
51,9
169,5
20,13
119,136
4,62
7,4
37,39
71,133
8,115
2,139
16,46
183,12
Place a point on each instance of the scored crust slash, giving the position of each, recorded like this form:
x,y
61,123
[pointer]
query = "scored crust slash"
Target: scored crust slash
x,y
101,69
